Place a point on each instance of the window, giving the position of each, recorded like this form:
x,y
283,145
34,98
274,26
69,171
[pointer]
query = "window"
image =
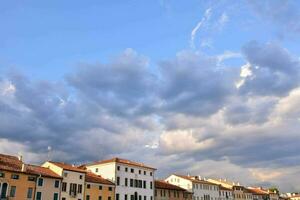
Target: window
x,y
12,191
117,196
100,198
145,197
56,184
87,197
151,197
15,176
100,187
144,184
131,182
131,197
132,170
110,188
65,174
151,185
38,196
140,171
126,181
29,193
64,187
79,188
96,170
63,198
40,182
31,178
2,174
80,176
88,186
109,198
55,196
118,168
135,183
145,173
126,169
125,197
140,197
118,180
150,173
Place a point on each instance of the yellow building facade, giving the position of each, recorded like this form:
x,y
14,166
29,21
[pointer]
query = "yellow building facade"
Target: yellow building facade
x,y
98,188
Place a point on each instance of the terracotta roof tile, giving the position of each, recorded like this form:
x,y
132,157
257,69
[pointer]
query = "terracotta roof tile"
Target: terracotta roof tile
x,y
122,161
68,167
94,178
43,171
160,184
258,191
10,163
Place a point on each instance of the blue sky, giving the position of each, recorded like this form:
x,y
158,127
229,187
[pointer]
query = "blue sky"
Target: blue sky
x,y
195,84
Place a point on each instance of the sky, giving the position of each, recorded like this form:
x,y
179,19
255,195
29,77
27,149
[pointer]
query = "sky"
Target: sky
x,y
208,88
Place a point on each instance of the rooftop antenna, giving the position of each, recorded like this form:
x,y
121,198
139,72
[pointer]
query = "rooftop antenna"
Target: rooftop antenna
x,y
49,149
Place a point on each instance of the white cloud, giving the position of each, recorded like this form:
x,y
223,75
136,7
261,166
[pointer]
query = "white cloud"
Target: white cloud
x,y
201,23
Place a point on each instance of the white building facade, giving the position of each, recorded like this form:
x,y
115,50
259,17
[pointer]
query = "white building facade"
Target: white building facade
x,y
201,189
73,179
134,181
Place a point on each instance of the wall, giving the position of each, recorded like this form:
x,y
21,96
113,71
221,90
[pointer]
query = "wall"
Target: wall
x,y
22,184
94,192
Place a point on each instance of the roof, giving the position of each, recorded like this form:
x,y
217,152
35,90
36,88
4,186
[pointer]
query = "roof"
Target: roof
x,y
257,191
122,161
68,167
94,178
160,184
224,188
195,180
43,171
10,163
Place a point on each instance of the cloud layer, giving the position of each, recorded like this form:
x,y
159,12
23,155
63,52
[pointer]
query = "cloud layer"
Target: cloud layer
x,y
191,111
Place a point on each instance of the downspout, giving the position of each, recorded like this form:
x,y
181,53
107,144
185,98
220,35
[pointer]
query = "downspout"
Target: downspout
x,y
34,194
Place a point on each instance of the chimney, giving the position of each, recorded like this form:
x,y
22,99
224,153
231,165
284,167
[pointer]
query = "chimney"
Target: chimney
x,y
20,157
23,167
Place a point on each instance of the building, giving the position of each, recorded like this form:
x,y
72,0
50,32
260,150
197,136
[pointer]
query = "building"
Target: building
x,y
98,188
15,181
201,189
134,181
294,197
238,192
73,179
225,193
273,195
48,183
259,193
167,191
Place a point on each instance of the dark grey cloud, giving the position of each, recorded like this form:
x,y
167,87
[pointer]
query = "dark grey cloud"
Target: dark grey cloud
x,y
193,84
274,70
123,87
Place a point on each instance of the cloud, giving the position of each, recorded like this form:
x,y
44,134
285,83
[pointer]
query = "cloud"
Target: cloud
x,y
284,14
191,111
193,85
274,71
201,23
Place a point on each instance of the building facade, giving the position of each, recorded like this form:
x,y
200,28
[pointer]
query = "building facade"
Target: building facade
x,y
225,193
73,179
15,180
167,191
98,188
201,189
48,183
134,181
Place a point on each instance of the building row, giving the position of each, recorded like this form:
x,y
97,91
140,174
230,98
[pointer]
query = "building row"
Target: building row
x,y
113,179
